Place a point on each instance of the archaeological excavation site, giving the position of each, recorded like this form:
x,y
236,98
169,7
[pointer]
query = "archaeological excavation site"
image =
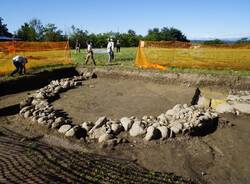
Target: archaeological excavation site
x,y
143,123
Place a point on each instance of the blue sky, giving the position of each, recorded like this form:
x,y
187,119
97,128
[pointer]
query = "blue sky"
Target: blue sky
x,y
195,18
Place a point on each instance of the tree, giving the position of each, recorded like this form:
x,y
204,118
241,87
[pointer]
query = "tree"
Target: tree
x,y
26,33
165,34
36,24
213,42
243,40
51,33
153,35
3,29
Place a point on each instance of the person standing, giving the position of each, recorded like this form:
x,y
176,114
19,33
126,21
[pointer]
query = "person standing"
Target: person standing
x,y
19,62
118,46
77,47
90,53
110,49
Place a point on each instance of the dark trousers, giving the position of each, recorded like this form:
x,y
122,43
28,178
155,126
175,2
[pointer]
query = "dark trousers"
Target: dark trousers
x,y
118,48
90,55
19,68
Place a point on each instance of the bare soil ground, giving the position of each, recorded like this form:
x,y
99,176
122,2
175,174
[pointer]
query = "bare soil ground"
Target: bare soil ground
x,y
220,157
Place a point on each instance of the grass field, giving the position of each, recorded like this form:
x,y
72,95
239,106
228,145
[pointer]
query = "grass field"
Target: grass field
x,y
124,58
202,58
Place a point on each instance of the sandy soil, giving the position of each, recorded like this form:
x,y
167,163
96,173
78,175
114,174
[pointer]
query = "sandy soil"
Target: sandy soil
x,y
118,98
220,157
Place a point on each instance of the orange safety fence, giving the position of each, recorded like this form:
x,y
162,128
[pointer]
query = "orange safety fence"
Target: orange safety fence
x,y
165,54
39,54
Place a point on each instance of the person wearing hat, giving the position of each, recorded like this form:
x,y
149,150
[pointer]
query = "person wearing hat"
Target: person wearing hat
x,y
19,62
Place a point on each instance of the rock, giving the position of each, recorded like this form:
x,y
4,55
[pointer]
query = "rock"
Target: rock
x,y
100,122
34,119
58,89
64,128
77,132
152,133
66,85
77,83
116,128
26,102
162,117
165,132
40,95
204,102
60,120
104,137
27,114
126,123
23,110
96,133
176,127
242,107
41,119
87,125
225,108
138,128
170,112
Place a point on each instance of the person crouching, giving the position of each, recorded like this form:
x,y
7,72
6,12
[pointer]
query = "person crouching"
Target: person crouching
x,y
19,62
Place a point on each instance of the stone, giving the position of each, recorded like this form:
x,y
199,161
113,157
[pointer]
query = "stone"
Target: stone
x,y
204,102
27,114
34,119
162,117
165,132
58,89
26,102
116,128
242,107
66,85
41,119
100,122
96,133
104,137
87,125
176,127
138,128
225,108
40,95
64,128
126,123
60,120
152,133
23,110
170,112
77,132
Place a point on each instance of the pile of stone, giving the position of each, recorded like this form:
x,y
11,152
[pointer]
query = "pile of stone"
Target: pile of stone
x,y
181,119
39,109
236,102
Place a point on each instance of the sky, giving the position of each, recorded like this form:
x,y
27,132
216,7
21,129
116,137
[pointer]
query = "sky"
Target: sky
x,y
195,18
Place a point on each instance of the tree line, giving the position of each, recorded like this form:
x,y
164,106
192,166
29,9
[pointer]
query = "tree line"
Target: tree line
x,y
34,30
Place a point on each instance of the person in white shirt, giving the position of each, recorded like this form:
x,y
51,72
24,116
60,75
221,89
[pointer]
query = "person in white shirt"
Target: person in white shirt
x,y
19,62
110,49
90,53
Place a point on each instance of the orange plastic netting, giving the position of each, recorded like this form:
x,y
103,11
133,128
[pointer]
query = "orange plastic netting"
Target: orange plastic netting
x,y
165,54
39,54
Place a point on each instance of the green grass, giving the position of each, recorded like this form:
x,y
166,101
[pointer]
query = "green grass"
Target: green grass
x,y
125,58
